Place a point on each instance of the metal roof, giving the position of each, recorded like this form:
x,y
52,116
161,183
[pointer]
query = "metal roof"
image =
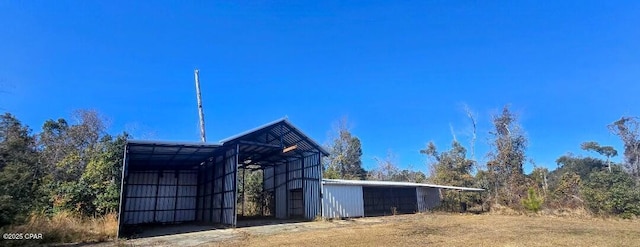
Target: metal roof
x,y
280,132
264,145
149,153
393,184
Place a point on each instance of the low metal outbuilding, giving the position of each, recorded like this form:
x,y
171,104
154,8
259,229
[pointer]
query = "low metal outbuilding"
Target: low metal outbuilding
x,y
359,198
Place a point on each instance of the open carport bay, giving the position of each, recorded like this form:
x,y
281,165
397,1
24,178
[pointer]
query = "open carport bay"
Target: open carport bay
x,y
389,200
168,183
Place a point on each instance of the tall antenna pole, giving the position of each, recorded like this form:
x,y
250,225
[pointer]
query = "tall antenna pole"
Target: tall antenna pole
x,y
200,111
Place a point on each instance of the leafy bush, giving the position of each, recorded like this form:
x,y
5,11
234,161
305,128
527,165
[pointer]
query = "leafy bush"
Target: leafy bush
x,y
612,193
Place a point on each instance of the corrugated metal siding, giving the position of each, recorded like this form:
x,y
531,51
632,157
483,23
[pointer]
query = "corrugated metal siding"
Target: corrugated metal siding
x,y
229,187
341,201
289,176
312,178
216,199
160,197
187,194
428,198
295,173
281,191
269,179
212,189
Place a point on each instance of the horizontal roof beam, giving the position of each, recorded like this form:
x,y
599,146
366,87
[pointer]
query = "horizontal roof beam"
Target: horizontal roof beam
x,y
260,144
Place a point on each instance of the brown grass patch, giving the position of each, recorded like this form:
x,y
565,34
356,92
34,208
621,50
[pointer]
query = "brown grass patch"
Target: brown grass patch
x,y
66,227
460,230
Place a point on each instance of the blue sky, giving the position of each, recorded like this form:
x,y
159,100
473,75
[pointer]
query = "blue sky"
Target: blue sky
x,y
400,70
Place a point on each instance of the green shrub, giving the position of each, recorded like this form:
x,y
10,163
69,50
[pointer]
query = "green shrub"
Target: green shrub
x,y
533,202
612,193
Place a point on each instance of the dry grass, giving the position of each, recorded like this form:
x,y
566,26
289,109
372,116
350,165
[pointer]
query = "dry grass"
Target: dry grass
x,y
459,230
66,228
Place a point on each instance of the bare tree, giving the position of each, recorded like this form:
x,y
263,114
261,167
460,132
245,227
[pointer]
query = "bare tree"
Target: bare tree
x,y
472,142
386,169
453,133
628,129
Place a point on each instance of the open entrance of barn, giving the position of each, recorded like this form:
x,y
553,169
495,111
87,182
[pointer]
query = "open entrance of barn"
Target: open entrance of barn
x,y
261,176
389,200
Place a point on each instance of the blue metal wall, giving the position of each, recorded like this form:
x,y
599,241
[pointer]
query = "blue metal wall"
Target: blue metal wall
x,y
155,196
217,189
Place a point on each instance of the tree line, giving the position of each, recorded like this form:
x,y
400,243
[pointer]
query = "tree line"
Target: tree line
x,y
75,166
593,183
66,167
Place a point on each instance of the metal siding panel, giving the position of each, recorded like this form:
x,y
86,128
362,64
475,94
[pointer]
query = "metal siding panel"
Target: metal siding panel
x,y
312,187
217,200
164,216
187,203
218,188
295,174
166,204
428,198
268,178
141,196
165,191
342,201
281,192
187,177
135,189
228,215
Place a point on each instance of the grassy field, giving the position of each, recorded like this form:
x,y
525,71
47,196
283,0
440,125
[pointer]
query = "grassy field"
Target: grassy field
x,y
456,230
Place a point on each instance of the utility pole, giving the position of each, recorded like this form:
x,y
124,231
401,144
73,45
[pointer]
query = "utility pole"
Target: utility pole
x,y
203,137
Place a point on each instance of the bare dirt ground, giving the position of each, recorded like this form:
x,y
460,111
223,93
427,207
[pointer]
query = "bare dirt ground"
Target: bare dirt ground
x,y
418,230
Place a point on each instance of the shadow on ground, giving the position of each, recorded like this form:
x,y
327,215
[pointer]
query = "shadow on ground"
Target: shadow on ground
x,y
156,230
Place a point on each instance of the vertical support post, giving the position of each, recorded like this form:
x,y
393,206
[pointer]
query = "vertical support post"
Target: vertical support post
x,y
304,191
320,195
235,184
460,200
262,194
286,188
223,189
199,198
273,182
244,189
481,201
123,189
155,206
200,110
212,193
175,203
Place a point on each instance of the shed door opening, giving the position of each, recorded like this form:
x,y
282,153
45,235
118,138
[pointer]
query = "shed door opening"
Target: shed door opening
x,y
389,200
296,205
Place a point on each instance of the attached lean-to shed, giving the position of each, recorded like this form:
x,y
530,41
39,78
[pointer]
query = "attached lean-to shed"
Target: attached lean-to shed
x,y
358,198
